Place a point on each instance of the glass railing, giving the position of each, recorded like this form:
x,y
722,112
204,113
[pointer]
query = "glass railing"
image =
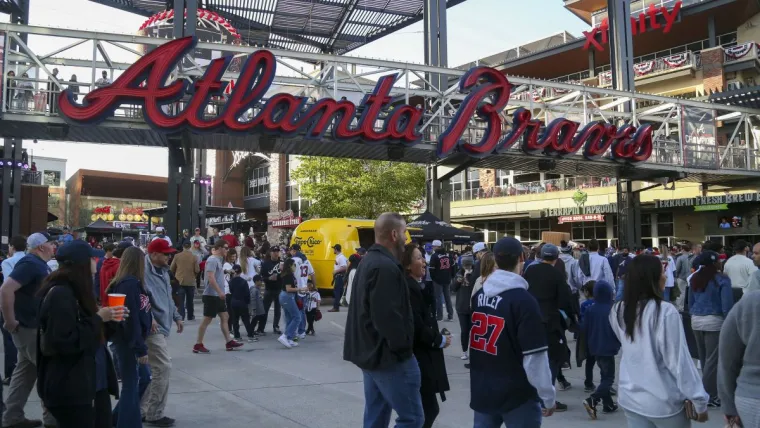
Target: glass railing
x,y
534,187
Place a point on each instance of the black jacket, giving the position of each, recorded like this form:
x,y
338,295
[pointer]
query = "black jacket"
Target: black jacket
x,y
547,284
67,377
464,291
379,325
427,340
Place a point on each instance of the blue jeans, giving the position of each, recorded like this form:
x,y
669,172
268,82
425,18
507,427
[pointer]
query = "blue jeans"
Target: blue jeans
x,y
393,388
135,379
666,294
607,369
443,294
302,322
619,294
527,415
337,290
292,314
11,353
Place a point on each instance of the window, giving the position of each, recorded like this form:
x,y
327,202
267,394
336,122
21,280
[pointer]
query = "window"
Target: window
x,y
665,224
52,178
646,226
456,182
530,230
727,40
588,230
258,181
473,179
501,229
502,178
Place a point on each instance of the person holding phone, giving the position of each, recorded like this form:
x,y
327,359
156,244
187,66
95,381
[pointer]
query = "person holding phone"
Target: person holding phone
x,y
428,340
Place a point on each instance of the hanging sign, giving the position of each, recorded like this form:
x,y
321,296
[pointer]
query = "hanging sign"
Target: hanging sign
x,y
287,115
638,25
579,218
706,200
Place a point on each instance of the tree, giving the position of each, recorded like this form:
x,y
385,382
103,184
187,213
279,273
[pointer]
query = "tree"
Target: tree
x,y
358,188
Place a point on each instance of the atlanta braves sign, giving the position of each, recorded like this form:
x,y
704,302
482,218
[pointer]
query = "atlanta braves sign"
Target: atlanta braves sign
x,y
287,115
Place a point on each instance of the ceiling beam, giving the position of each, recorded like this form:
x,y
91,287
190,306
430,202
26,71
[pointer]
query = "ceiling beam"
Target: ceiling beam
x,y
340,25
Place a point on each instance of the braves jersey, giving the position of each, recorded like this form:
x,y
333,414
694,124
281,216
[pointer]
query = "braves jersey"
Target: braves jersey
x,y
304,270
505,328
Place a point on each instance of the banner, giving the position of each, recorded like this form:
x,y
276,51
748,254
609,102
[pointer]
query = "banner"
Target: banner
x,y
643,68
677,60
739,51
699,144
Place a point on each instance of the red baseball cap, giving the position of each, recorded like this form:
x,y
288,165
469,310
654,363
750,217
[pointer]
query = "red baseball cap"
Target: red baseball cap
x,y
160,246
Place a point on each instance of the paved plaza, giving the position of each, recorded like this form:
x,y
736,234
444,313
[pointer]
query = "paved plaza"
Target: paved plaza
x,y
266,385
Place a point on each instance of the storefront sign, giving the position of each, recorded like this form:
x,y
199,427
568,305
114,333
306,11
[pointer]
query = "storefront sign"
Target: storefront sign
x,y
285,219
638,25
706,200
576,211
582,217
711,207
699,131
229,218
130,226
288,115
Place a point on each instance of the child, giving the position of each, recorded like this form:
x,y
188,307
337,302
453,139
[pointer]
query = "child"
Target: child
x,y
239,301
588,293
602,344
256,305
312,305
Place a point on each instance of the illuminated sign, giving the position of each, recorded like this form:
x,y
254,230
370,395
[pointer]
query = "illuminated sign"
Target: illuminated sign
x,y
581,217
638,25
706,200
287,115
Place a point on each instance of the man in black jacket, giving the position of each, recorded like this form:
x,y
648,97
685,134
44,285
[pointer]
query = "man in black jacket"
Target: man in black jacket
x,y
440,273
379,339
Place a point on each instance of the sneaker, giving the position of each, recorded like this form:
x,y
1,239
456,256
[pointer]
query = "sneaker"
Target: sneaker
x,y
302,336
464,356
467,366
252,339
238,338
334,310
609,408
564,385
276,330
293,343
566,366
589,387
26,423
590,405
285,342
232,345
198,348
163,422
260,333
449,319
714,402
559,407
613,391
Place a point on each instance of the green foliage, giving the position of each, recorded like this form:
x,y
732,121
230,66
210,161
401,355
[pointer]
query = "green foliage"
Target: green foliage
x,y
580,197
358,188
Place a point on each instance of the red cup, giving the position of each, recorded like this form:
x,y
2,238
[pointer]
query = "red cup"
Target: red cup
x,y
117,300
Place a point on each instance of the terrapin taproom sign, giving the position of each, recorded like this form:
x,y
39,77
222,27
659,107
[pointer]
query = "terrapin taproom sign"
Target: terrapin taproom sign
x,y
488,93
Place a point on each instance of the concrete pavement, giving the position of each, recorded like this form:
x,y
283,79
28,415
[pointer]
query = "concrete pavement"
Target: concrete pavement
x,y
311,386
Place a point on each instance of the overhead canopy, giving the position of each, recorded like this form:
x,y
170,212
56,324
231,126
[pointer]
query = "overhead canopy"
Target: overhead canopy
x,y
100,226
429,227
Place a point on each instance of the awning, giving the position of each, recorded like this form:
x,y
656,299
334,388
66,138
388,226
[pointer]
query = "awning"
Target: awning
x,y
429,227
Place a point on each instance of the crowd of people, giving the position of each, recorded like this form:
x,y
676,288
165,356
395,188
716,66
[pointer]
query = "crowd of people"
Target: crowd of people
x,y
684,316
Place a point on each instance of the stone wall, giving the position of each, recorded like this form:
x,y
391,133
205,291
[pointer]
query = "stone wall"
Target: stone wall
x,y
487,178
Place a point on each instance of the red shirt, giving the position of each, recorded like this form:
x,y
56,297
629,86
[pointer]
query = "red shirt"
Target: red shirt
x,y
231,240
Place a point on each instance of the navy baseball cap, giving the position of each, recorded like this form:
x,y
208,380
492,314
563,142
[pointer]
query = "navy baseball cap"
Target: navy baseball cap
x,y
361,251
295,247
77,252
706,258
508,246
549,252
124,244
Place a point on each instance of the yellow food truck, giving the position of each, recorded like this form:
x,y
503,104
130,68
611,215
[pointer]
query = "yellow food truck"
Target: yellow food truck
x,y
317,237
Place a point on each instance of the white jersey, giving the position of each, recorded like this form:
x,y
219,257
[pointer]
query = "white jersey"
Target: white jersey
x,y
340,262
304,270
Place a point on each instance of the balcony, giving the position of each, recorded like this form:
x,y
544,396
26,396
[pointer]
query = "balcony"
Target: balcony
x,y
31,177
687,61
741,57
534,187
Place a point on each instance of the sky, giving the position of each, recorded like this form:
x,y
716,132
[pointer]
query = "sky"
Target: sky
x,y
477,28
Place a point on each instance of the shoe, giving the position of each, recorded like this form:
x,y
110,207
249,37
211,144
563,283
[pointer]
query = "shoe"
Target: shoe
x,y
252,339
295,339
590,405
7,381
714,402
232,345
589,387
191,319
609,408
566,366
163,422
26,423
334,310
559,407
238,338
293,343
564,385
467,366
260,333
302,336
198,348
464,356
613,391
449,319
285,342
276,330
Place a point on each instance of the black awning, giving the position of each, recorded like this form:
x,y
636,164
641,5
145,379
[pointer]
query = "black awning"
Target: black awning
x,y
747,96
428,227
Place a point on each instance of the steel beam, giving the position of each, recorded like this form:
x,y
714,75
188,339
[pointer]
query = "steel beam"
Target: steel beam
x,y
621,44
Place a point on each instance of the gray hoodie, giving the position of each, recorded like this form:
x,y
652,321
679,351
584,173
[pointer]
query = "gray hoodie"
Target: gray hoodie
x,y
164,310
536,365
572,270
739,346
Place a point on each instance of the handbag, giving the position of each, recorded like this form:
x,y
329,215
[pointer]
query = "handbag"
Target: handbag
x,y
318,315
299,303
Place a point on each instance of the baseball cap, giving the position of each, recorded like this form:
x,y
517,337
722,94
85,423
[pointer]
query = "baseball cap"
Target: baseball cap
x,y
507,245
337,247
361,251
36,239
706,257
197,229
124,244
295,247
77,252
160,246
428,247
481,246
437,243
160,229
237,269
565,247
274,248
549,252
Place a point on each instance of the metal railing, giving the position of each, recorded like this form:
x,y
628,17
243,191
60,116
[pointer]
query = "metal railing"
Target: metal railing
x,y
658,66
640,6
31,177
533,187
745,51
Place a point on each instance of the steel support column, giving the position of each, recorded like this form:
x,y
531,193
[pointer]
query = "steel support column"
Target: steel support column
x,y
21,18
621,45
436,46
11,204
712,40
629,214
172,199
433,196
200,199
187,187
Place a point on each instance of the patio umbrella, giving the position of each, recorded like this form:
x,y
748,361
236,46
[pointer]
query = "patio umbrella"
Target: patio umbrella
x,y
428,227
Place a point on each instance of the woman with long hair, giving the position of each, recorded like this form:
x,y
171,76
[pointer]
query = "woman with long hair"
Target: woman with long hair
x,y
249,265
463,288
487,267
75,375
288,303
129,340
710,300
428,340
653,342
